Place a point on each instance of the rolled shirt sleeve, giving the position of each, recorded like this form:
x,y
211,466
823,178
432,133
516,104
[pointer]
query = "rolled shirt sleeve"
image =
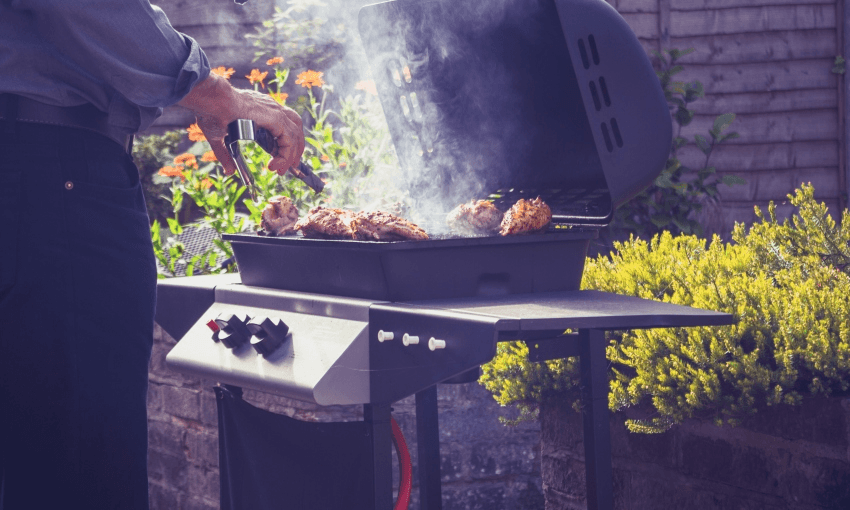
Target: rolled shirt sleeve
x,y
123,56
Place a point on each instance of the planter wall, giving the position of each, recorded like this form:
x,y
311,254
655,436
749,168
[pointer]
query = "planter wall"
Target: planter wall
x,y
783,458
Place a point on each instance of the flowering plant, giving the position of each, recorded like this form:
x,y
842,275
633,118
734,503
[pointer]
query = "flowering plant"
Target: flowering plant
x,y
344,148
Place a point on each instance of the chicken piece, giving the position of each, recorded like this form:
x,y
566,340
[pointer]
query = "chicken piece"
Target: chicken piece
x,y
327,223
383,226
475,217
526,216
279,217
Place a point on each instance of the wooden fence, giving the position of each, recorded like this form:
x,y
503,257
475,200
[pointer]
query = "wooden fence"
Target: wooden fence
x,y
768,61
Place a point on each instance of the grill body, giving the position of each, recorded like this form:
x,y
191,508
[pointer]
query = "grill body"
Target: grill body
x,y
413,270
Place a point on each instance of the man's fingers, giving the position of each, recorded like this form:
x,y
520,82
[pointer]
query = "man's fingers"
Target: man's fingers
x,y
223,156
288,155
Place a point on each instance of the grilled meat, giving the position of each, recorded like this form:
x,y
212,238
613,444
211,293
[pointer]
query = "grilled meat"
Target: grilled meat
x,y
526,216
279,217
475,217
383,226
327,223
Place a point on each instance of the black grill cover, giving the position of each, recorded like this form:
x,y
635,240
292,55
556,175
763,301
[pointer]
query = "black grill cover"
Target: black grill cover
x,y
269,461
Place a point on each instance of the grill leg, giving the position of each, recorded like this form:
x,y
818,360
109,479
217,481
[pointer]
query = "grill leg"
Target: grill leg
x,y
597,434
428,449
378,417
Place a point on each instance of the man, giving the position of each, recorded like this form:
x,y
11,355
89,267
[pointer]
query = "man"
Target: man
x,y
77,273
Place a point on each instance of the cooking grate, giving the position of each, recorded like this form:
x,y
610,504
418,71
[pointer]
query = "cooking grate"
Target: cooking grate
x,y
575,207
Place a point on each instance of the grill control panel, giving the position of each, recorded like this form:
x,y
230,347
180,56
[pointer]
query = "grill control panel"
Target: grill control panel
x,y
435,345
308,357
265,334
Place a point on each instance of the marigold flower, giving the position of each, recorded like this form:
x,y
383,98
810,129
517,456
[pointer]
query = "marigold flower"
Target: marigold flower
x,y
221,71
208,157
172,171
343,164
367,86
205,184
257,77
310,79
186,159
274,60
195,133
280,97
325,158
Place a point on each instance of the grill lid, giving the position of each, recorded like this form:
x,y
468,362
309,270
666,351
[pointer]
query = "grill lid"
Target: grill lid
x,y
507,99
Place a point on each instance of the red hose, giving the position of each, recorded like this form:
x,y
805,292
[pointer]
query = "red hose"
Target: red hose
x,y
404,484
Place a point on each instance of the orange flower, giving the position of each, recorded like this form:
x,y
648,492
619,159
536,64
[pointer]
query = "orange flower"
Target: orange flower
x,y
309,79
280,97
221,71
343,164
205,184
325,158
367,86
186,159
195,133
172,171
208,157
257,77
274,60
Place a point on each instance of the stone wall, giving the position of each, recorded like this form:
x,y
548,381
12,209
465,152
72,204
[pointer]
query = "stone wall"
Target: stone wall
x,y
783,458
485,465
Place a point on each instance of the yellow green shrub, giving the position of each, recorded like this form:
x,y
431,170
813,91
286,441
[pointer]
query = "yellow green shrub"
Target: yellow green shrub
x,y
787,285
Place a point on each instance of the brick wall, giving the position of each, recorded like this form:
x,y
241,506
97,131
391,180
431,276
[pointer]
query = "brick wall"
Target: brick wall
x,y
484,463
782,458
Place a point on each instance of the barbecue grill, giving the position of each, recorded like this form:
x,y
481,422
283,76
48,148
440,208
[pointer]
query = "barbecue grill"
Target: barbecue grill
x,y
538,98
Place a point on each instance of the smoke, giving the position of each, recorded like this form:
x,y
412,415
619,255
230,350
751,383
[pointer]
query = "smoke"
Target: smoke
x,y
451,95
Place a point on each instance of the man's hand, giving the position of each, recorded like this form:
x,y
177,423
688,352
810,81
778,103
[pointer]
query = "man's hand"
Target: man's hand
x,y
216,104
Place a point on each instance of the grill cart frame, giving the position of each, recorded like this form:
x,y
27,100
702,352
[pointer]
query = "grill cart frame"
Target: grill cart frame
x,y
538,319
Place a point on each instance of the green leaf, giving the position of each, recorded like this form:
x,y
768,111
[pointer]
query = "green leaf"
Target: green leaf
x,y
703,144
683,116
694,91
174,226
660,220
732,180
723,121
839,65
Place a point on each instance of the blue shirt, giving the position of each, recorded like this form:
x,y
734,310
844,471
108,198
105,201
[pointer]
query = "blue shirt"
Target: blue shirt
x,y
122,56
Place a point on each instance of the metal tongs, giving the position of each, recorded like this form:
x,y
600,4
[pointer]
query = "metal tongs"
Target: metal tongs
x,y
244,129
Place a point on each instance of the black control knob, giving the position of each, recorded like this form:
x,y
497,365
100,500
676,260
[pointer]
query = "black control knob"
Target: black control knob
x,y
232,332
267,334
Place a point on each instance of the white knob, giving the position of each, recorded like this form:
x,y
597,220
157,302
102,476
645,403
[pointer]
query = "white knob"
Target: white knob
x,y
435,344
385,335
409,340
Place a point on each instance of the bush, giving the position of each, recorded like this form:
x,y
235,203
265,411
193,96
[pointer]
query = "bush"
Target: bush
x,y
787,285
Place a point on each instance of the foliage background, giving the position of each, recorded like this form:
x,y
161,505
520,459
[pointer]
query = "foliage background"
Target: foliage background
x,y
785,282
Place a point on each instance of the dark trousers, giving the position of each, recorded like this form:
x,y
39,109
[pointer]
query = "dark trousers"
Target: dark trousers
x,y
77,292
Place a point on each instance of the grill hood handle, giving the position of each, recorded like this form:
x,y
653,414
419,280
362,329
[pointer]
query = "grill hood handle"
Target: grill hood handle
x,y
244,129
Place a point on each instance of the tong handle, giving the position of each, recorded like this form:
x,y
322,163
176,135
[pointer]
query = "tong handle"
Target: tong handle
x,y
265,140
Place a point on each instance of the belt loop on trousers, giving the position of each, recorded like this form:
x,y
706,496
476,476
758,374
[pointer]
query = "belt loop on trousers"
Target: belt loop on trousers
x,y
10,112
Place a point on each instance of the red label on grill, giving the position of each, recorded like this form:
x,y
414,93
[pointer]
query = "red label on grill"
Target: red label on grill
x,y
213,326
